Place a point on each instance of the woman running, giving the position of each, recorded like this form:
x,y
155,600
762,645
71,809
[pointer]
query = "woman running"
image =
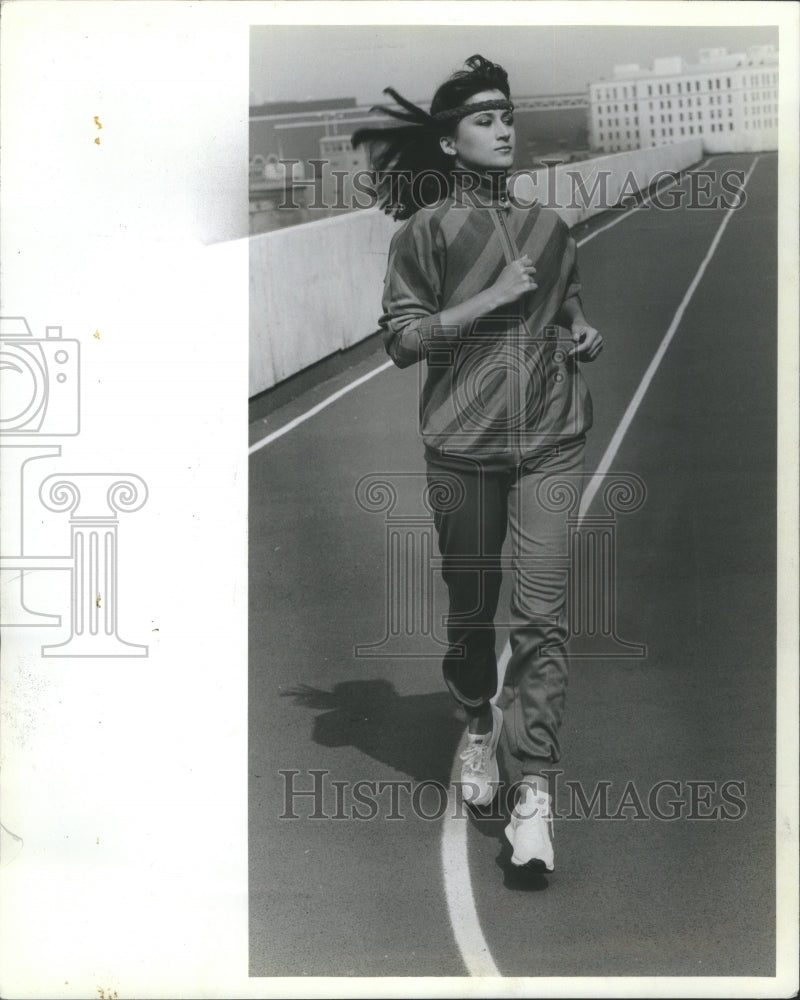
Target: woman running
x,y
483,289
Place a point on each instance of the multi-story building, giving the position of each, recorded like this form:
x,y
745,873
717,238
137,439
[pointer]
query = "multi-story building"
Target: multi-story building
x,y
730,100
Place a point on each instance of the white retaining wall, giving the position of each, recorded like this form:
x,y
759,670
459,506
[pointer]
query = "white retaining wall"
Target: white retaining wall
x,y
316,288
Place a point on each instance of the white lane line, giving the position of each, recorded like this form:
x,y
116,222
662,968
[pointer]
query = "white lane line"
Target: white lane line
x,y
457,881
647,378
263,442
315,409
464,919
635,208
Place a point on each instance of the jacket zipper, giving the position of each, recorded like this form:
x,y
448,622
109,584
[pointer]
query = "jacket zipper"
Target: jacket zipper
x,y
520,383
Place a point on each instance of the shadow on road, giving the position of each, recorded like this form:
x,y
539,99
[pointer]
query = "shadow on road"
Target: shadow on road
x,y
414,734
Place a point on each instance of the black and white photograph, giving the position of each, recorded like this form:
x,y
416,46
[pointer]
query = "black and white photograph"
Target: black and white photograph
x,y
513,367
399,499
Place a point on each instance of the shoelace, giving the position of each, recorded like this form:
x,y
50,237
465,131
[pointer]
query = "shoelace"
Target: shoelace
x,y
476,756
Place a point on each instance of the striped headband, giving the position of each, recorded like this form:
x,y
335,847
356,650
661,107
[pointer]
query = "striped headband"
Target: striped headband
x,y
456,114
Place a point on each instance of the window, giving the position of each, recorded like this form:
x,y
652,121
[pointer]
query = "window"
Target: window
x,y
730,126
691,130
649,90
683,130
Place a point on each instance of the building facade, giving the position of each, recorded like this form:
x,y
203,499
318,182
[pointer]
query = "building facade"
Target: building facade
x,y
730,100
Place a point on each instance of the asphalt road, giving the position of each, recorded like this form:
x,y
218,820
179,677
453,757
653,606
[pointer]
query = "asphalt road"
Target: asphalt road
x,y
640,894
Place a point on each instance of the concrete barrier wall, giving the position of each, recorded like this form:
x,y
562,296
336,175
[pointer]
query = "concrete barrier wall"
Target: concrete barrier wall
x,y
316,288
580,190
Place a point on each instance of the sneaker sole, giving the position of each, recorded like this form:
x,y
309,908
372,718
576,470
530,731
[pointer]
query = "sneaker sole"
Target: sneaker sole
x,y
535,865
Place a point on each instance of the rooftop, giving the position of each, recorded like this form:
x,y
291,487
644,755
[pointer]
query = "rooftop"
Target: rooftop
x,y
708,60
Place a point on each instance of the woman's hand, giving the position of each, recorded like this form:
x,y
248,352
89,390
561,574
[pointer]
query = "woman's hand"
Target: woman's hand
x,y
515,280
588,341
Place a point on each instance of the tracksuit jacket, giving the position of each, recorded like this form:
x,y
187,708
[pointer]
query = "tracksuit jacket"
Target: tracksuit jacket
x,y
501,390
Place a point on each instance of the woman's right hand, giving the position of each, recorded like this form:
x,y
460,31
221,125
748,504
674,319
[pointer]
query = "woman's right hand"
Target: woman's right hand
x,y
515,280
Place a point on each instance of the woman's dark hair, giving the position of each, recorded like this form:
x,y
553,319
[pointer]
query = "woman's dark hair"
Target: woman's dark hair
x,y
410,168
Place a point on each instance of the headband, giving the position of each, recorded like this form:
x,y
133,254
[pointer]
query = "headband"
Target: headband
x,y
456,114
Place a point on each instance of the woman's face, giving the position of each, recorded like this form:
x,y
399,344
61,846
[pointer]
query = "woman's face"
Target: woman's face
x,y
483,141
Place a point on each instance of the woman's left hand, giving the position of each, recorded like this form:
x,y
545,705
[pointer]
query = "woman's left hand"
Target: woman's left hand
x,y
588,342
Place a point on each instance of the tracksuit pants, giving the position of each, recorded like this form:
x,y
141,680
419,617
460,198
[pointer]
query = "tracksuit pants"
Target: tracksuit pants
x,y
471,534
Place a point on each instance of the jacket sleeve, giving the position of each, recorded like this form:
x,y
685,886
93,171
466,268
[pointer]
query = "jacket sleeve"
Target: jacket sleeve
x,y
412,293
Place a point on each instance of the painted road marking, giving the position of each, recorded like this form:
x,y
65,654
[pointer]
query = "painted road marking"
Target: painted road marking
x,y
635,208
455,869
464,919
315,409
638,396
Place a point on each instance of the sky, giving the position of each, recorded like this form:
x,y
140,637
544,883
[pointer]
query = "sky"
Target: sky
x,y
300,62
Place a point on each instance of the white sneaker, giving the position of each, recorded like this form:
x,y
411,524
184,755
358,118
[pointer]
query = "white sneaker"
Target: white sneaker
x,y
530,831
480,777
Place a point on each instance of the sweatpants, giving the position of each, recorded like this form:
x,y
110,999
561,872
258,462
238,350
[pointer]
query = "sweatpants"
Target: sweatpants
x,y
471,534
